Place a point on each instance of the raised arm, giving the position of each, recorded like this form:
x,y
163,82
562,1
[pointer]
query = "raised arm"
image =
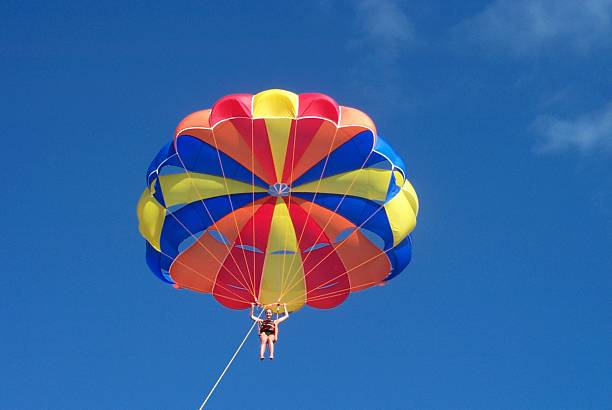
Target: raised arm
x,y
253,317
285,316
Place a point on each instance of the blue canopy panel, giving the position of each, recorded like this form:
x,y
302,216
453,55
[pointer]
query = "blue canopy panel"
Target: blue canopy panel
x,y
353,154
158,194
196,217
400,257
165,156
154,262
198,156
393,188
362,212
385,149
376,160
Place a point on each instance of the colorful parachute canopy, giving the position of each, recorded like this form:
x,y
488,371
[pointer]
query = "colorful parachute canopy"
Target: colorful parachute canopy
x,y
277,197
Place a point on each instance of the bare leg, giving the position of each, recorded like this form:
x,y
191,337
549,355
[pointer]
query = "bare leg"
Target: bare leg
x,y
271,346
262,347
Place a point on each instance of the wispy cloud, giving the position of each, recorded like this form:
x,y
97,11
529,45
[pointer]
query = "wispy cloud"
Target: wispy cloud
x,y
382,34
586,133
525,27
383,27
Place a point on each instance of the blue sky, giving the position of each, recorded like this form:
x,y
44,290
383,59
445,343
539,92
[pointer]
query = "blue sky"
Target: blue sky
x,y
501,109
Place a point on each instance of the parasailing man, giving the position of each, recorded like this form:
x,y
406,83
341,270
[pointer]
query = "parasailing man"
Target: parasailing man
x,y
268,330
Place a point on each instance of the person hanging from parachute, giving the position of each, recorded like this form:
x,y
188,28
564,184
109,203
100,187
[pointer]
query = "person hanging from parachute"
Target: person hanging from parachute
x,y
277,197
268,329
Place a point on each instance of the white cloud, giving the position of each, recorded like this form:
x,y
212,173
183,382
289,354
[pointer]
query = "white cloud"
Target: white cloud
x,y
529,26
587,133
384,27
382,33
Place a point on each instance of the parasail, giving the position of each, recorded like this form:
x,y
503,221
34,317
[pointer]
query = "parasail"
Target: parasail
x,y
277,198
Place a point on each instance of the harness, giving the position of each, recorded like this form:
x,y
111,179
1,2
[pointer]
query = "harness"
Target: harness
x,y
267,326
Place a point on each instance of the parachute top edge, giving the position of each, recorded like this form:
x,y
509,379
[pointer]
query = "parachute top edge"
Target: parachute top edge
x,y
275,103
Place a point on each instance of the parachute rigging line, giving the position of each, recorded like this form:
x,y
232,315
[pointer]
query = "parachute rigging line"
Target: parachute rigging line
x,y
230,362
214,223
203,247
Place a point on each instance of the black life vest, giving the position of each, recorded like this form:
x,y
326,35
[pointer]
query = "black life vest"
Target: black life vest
x,y
267,325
